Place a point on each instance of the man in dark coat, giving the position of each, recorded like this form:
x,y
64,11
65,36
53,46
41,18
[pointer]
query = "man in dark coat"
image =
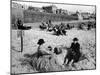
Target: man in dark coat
x,y
75,46
19,23
74,52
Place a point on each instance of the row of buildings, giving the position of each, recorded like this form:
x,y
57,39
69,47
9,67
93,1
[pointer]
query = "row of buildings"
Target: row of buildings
x,y
52,9
19,6
49,9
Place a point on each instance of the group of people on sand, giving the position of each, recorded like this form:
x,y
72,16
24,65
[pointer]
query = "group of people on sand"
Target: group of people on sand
x,y
73,53
58,29
46,25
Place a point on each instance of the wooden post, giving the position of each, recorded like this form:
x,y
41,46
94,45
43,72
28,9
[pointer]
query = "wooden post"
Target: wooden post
x,y
21,40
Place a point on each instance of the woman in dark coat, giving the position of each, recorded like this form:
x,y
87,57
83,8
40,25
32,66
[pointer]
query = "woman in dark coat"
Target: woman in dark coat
x,y
40,43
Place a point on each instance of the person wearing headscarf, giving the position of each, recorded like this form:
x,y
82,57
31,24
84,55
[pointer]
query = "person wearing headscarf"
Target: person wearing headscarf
x,y
42,49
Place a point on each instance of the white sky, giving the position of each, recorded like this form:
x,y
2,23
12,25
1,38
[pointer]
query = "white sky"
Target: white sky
x,y
68,7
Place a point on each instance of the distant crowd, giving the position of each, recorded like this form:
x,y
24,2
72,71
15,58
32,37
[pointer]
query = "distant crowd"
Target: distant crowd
x,y
60,29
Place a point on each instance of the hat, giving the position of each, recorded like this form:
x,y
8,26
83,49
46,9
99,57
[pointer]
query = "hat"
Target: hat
x,y
41,41
75,39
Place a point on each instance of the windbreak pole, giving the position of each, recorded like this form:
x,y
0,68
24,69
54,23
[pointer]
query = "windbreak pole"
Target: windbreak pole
x,y
21,40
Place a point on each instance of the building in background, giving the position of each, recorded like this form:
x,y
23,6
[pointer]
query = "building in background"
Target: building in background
x,y
80,17
85,15
17,11
35,9
50,9
61,11
19,6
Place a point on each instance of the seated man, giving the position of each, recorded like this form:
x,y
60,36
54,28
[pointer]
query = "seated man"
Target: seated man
x,y
56,30
50,26
19,23
74,54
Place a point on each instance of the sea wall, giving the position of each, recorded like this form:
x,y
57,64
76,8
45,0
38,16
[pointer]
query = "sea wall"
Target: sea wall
x,y
31,17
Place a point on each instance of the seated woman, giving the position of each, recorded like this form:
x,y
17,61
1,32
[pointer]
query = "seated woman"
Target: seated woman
x,y
47,60
42,50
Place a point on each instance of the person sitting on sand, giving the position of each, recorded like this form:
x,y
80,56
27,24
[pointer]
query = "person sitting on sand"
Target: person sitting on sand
x,y
43,26
50,26
42,50
75,46
74,53
19,23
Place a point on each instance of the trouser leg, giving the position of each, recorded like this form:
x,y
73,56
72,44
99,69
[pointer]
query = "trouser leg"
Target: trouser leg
x,y
69,60
65,59
76,58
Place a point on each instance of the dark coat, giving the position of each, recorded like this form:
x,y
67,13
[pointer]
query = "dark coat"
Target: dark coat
x,y
75,47
76,51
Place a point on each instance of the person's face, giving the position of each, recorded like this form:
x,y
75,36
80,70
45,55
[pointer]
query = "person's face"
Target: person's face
x,y
75,41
